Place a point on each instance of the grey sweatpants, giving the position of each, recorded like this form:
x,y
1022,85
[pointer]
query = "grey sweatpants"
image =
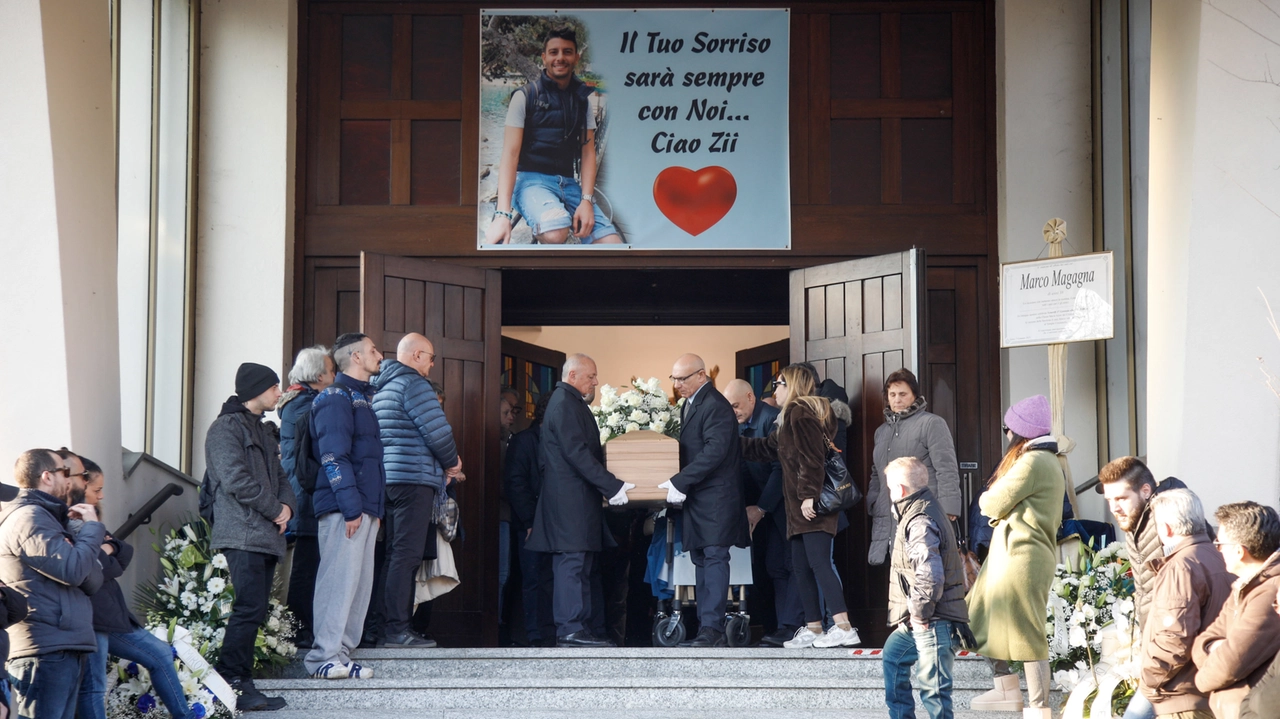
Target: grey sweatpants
x,y
346,574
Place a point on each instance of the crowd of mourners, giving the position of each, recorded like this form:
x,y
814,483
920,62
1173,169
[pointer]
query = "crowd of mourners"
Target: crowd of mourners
x,y
355,475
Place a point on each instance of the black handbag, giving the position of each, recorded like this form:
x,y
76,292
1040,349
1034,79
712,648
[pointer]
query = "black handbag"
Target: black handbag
x,y
838,490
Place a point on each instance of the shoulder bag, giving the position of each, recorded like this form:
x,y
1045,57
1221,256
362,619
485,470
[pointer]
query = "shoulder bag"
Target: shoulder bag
x,y
838,490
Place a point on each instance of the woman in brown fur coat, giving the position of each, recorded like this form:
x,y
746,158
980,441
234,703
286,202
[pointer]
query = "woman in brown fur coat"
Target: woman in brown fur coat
x,y
806,427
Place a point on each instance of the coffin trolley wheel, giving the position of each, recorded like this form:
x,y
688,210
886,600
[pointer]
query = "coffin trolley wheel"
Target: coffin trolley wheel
x,y
668,631
737,630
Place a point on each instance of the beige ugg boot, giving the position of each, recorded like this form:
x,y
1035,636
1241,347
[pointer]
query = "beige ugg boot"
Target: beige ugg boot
x,y
1006,697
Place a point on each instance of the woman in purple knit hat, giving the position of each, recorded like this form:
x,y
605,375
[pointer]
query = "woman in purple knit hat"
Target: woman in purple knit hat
x,y
1008,600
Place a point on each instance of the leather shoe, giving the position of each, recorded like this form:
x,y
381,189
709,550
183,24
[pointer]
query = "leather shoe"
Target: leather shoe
x,y
251,699
709,639
779,636
583,638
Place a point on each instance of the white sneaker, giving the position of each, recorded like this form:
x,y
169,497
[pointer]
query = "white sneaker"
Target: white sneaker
x,y
332,670
359,671
804,638
837,637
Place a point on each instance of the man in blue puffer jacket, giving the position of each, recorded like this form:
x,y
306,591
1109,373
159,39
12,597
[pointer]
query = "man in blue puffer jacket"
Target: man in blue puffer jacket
x,y
348,502
420,455
311,373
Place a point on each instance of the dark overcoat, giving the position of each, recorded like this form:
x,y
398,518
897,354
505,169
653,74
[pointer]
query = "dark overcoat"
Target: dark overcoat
x,y
715,514
569,516
765,477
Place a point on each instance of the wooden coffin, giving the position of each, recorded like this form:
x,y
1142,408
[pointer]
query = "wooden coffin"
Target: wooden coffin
x,y
646,459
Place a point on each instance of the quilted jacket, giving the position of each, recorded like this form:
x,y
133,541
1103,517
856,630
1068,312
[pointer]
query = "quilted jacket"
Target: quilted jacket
x,y
417,440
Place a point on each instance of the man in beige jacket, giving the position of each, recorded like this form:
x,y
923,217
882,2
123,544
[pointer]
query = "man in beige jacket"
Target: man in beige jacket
x,y
1191,584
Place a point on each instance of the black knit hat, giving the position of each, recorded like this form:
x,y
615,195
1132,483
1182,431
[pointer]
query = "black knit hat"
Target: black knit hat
x,y
253,379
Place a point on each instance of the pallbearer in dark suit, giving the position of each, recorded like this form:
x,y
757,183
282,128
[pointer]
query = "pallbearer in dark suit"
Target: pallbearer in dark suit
x,y
710,485
766,517
568,521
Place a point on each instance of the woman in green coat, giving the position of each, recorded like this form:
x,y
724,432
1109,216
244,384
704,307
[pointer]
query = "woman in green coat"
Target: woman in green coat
x,y
1008,601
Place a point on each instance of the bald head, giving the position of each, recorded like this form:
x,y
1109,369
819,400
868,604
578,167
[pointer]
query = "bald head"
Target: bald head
x,y
580,372
688,374
417,352
742,399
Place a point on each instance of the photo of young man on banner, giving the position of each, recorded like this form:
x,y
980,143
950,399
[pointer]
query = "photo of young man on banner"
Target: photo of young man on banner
x,y
689,106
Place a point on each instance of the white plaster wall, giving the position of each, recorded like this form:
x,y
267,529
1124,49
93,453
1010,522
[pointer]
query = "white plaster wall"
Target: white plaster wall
x,y
1044,170
57,231
247,136
625,352
1215,229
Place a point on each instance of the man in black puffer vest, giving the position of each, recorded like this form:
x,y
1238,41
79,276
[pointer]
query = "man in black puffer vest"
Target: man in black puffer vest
x,y
926,595
550,131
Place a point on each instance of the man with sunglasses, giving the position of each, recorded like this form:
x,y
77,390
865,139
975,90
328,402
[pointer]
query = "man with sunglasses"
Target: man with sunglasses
x,y
710,487
55,570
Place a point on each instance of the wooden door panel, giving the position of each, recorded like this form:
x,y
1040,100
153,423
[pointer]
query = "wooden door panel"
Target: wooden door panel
x,y
855,322
458,309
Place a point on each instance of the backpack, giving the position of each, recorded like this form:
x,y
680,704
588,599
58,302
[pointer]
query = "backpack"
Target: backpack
x,y
305,466
206,498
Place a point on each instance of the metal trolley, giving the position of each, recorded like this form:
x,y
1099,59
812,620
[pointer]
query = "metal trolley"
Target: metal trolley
x,y
678,572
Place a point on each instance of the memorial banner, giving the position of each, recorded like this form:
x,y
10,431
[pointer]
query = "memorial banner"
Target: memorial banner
x,y
1064,299
675,121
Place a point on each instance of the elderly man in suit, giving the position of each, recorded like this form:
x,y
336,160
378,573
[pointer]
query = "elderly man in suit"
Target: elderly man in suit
x,y
569,521
710,487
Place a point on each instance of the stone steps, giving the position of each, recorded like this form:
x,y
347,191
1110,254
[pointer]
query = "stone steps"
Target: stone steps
x,y
582,683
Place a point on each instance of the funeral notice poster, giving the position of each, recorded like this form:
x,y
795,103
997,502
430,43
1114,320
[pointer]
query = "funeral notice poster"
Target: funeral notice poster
x,y
1063,299
654,129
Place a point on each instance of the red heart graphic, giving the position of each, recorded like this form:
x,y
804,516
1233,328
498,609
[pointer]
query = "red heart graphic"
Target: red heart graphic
x,y
695,201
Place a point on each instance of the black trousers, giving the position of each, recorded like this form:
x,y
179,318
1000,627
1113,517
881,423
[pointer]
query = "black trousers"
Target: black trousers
x,y
408,520
777,562
811,564
712,585
251,575
302,581
571,592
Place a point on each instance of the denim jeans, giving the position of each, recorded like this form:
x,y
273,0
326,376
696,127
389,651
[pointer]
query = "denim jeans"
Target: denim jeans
x,y
138,646
547,202
1140,708
934,658
46,686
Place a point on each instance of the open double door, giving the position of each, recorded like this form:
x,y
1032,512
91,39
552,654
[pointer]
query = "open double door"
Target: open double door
x,y
856,321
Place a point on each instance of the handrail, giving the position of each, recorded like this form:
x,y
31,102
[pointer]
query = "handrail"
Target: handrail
x,y
1086,485
143,515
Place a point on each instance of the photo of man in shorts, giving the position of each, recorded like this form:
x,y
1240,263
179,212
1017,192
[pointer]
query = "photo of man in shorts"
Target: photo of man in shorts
x,y
550,132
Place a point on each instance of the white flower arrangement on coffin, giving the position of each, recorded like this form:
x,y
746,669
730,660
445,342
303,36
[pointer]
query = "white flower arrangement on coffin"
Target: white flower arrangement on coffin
x,y
644,406
191,605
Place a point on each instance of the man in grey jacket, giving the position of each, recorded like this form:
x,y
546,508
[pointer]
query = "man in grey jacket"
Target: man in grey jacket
x,y
252,505
909,431
56,571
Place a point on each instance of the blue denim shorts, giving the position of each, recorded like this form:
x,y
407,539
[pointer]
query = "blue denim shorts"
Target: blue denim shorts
x,y
547,202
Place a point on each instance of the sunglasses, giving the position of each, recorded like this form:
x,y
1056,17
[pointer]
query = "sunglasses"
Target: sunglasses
x,y
66,471
779,381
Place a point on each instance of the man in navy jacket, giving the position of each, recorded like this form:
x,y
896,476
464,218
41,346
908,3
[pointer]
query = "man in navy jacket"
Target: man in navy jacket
x,y
348,503
420,456
762,482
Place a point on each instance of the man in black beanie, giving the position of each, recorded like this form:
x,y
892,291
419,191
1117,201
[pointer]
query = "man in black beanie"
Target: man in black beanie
x,y
252,504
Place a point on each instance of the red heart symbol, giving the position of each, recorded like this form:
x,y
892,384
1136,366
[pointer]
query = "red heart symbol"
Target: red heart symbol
x,y
695,201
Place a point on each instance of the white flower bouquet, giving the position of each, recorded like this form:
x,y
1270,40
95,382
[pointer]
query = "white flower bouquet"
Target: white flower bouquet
x,y
1090,623
195,594
644,406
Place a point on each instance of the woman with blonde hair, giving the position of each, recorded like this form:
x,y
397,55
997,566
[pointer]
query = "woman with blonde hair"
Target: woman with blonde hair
x,y
806,427
1008,599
